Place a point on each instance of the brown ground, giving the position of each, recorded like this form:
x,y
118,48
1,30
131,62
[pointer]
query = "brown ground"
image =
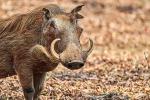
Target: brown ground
x,y
120,62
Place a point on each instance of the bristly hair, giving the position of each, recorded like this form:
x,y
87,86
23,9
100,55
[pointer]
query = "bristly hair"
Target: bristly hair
x,y
18,23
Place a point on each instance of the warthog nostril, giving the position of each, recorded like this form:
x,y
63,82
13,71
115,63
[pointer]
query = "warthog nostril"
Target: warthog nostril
x,y
76,63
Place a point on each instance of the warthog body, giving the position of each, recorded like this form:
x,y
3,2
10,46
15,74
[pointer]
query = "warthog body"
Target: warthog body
x,y
34,43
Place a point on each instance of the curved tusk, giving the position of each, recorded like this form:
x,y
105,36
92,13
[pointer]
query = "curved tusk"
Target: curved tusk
x,y
89,50
40,52
53,52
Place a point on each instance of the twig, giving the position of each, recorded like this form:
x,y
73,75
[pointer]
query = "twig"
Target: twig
x,y
146,58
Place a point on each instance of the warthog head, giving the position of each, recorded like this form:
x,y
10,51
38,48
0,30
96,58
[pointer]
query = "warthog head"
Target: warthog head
x,y
66,47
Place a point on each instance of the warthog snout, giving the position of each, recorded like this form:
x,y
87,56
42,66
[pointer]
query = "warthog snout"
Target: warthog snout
x,y
75,64
73,57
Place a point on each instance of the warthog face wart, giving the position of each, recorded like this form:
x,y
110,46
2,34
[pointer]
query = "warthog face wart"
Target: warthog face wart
x,y
66,47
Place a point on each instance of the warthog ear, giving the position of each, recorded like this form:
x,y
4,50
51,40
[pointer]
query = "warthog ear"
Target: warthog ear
x,y
78,16
75,11
46,13
47,16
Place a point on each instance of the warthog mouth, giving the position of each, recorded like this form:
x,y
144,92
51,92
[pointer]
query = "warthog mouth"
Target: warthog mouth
x,y
75,64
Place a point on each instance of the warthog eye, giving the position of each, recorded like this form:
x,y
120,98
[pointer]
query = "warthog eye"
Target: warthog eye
x,y
52,24
79,30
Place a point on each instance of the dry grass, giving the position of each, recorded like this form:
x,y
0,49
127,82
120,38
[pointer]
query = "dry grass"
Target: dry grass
x,y
120,62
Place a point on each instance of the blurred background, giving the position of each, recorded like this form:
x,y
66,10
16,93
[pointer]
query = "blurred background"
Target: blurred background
x,y
119,66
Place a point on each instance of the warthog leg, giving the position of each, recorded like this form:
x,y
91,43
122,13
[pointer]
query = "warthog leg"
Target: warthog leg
x,y
38,83
25,74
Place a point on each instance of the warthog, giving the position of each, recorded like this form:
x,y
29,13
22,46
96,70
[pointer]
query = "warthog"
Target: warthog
x,y
34,43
